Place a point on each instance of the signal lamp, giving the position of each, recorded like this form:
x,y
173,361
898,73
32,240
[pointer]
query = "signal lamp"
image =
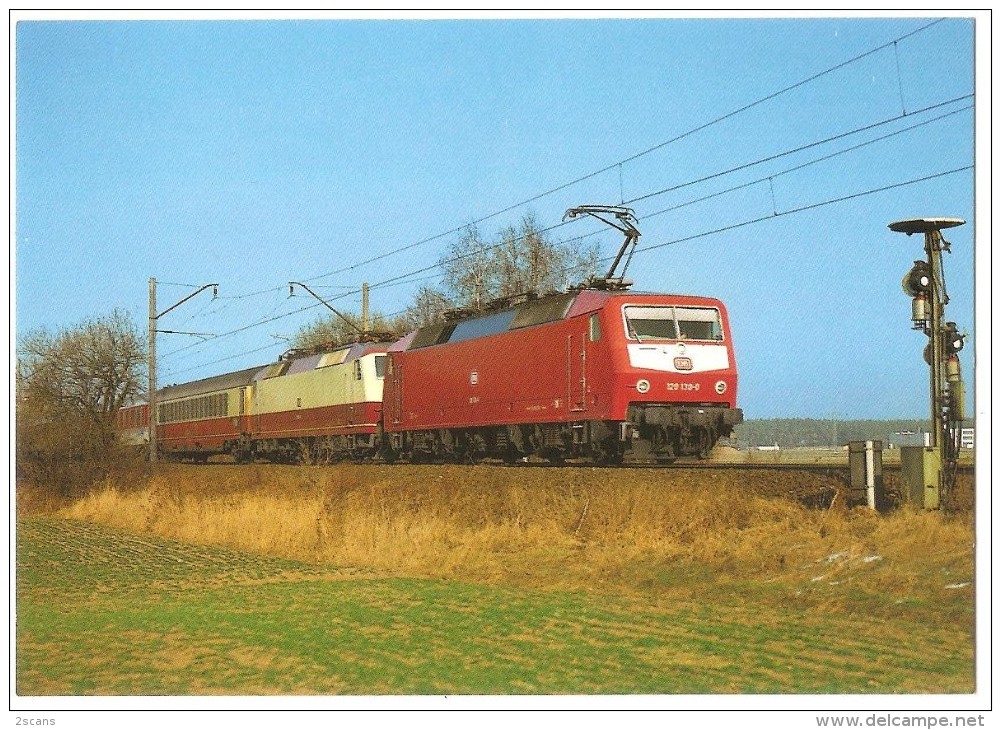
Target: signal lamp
x,y
952,341
917,280
642,385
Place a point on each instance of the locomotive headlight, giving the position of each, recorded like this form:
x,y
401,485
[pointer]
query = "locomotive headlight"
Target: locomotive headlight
x,y
642,386
720,387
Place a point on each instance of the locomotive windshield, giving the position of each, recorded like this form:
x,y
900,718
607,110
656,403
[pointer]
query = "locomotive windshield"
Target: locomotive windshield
x,y
673,323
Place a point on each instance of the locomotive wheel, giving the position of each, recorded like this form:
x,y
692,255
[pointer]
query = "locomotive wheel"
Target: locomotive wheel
x,y
420,457
706,442
554,457
607,455
511,455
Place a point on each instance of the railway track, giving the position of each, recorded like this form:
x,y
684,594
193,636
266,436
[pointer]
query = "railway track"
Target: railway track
x,y
815,485
785,466
727,466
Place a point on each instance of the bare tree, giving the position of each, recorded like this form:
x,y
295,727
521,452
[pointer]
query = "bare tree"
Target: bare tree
x,y
469,269
69,388
429,306
523,260
334,330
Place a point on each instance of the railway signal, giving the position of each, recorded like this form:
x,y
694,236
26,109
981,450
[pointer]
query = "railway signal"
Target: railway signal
x,y
925,283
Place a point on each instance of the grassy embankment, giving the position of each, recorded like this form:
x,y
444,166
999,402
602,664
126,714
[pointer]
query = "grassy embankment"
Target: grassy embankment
x,y
555,580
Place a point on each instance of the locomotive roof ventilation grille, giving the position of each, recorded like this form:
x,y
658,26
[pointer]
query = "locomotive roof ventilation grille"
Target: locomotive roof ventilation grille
x,y
533,312
276,370
432,334
540,311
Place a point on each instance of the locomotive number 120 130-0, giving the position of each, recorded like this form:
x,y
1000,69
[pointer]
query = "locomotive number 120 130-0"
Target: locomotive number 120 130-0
x,y
682,386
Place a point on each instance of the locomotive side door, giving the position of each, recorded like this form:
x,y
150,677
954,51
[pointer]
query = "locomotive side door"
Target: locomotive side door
x,y
353,387
255,411
577,372
395,407
243,426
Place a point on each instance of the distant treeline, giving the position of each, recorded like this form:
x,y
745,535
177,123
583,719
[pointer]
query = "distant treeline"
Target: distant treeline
x,y
792,432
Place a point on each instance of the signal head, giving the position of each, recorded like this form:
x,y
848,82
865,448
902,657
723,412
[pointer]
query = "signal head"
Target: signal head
x,y
952,340
918,280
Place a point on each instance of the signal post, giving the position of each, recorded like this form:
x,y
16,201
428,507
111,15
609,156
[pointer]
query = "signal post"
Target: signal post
x,y
151,345
930,471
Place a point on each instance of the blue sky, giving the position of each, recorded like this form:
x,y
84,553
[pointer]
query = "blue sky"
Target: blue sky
x,y
256,153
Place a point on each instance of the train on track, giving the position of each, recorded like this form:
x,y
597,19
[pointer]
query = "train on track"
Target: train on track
x,y
606,376
599,373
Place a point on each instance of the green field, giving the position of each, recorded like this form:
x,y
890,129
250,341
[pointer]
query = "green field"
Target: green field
x,y
103,612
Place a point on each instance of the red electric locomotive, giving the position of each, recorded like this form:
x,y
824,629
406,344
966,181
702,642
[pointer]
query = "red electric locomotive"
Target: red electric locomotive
x,y
599,373
605,375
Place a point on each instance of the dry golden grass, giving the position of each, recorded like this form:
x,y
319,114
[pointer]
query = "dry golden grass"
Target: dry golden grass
x,y
651,531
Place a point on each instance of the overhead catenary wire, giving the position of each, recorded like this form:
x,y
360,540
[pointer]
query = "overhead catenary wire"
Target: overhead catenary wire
x,y
801,148
403,278
409,277
745,166
647,196
618,163
174,283
247,327
804,208
776,214
793,211
281,287
257,293
270,345
803,165
663,244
